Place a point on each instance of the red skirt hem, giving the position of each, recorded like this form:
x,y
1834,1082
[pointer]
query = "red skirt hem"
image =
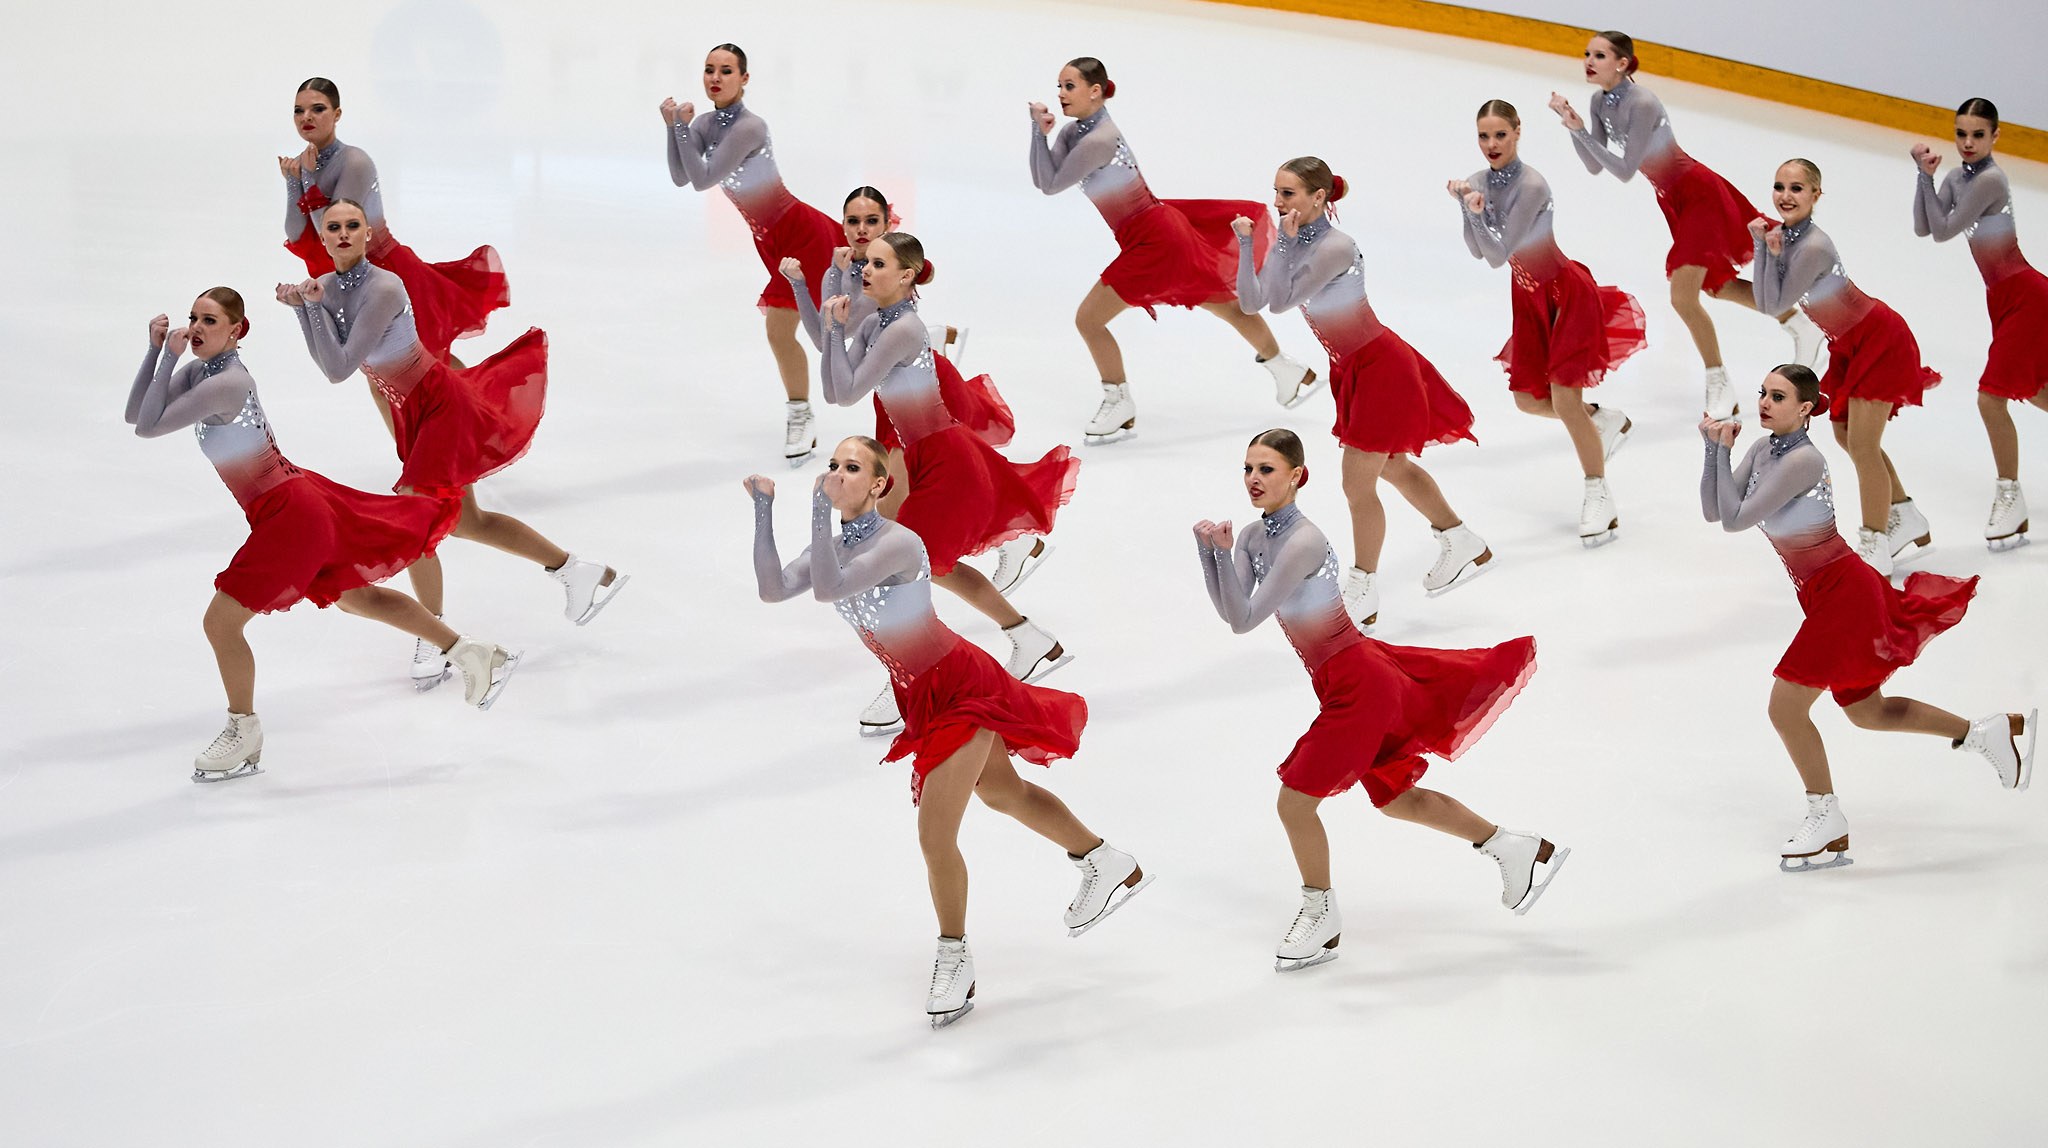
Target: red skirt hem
x,y
1877,359
459,425
313,539
1860,629
1570,331
966,692
966,499
1183,252
2016,366
1709,222
1391,400
808,235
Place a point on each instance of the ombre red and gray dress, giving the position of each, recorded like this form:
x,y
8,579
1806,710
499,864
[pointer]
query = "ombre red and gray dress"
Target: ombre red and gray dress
x,y
729,148
452,425
1976,201
1567,329
450,301
1383,706
310,538
1390,399
1871,352
1628,131
964,497
874,572
1859,628
1178,252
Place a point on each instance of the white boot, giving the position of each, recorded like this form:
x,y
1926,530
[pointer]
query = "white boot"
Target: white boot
x,y
1361,596
429,664
1720,401
799,432
1015,561
1906,532
948,341
1109,877
1807,339
2008,526
1824,833
1312,938
1997,737
1292,382
1598,520
1613,426
485,670
952,992
1033,652
584,584
1115,419
1875,549
880,719
1520,855
235,751
1460,556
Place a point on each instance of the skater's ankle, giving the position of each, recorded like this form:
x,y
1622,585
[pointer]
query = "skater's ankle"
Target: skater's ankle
x,y
1099,843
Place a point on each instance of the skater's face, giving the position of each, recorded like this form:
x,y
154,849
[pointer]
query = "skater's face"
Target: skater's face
x,y
345,234
1078,98
212,332
865,221
1793,193
314,115
1499,141
1605,65
1290,194
853,479
724,82
1778,406
1975,137
1268,479
885,279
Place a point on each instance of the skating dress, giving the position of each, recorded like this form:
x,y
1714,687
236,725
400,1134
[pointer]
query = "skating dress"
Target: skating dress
x,y
1628,132
450,301
729,148
975,402
452,425
1566,329
310,538
1859,628
1179,252
1976,201
874,572
1389,398
1871,352
964,497
1383,706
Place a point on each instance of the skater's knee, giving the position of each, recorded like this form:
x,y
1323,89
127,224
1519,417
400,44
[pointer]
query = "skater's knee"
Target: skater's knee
x,y
1874,712
1529,404
1992,407
1408,806
1294,805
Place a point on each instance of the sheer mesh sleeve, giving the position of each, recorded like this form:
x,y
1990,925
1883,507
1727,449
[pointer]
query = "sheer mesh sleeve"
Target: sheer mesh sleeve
x,y
1948,213
1783,279
894,555
1061,163
339,355
777,583
1299,556
1639,115
850,373
175,399
724,153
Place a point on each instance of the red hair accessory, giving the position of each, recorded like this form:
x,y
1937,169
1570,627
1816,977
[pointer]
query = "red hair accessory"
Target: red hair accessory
x,y
1337,188
242,329
1108,89
1304,477
925,273
888,484
1820,406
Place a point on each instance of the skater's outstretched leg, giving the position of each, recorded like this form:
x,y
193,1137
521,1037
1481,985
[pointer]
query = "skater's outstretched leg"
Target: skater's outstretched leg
x,y
1251,328
790,364
1905,715
1440,812
1996,412
973,587
400,612
1362,470
427,584
1405,474
898,491
1033,806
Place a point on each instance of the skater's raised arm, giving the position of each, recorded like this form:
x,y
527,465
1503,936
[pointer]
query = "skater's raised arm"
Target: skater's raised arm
x,y
1077,151
723,148
777,583
1300,555
338,353
1784,277
849,373
1507,217
177,398
1960,203
1296,269
1636,116
841,570
143,377
1780,481
806,311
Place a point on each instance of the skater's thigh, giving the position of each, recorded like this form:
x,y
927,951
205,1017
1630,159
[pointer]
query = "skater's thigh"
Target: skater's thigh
x,y
1100,305
943,797
999,781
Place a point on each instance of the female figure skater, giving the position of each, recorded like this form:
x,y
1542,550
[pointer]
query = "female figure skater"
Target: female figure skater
x,y
1859,628
1383,706
452,425
728,147
1173,251
1873,360
964,497
963,715
310,538
1391,402
1568,330
450,301
1628,131
1976,201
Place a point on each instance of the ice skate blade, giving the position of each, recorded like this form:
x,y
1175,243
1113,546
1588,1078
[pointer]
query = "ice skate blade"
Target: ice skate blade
x,y
1116,901
498,687
1595,541
1620,438
1028,567
1471,570
1808,865
422,685
1557,857
209,776
1044,667
2027,755
2012,541
1912,551
947,1019
1303,391
1323,955
1128,430
884,730
597,605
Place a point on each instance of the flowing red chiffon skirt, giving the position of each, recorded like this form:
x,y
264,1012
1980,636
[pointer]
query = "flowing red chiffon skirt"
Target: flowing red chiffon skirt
x,y
967,691
313,539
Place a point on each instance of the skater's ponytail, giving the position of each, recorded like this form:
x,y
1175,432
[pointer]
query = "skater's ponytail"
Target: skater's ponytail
x,y
229,301
1093,71
1624,46
1502,109
1981,108
325,87
910,253
1287,445
1807,384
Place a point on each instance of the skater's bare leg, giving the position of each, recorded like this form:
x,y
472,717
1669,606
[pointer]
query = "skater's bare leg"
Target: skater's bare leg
x,y
781,323
1362,471
974,588
1687,284
427,585
398,611
1033,806
893,501
1905,715
941,804
1251,328
224,622
1792,716
1440,812
383,410
1306,835
1996,412
1577,418
1877,483
1097,308
1405,474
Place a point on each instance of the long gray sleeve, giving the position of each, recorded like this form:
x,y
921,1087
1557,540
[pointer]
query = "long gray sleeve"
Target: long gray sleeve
x,y
1060,163
723,152
143,377
377,302
1947,213
777,583
172,400
849,373
1638,114
1300,556
1294,272
837,572
352,175
1793,475
1781,280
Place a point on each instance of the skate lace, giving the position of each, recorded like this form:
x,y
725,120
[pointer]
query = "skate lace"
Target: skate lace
x,y
2002,504
1304,926
793,425
1110,401
225,741
946,972
1443,555
1090,875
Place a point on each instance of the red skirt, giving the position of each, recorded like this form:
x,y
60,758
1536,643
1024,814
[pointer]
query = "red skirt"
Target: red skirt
x,y
461,424
1709,223
1391,400
1876,359
1860,628
975,404
805,234
1183,253
2017,365
1568,330
313,539
965,498
450,301
968,691
1384,706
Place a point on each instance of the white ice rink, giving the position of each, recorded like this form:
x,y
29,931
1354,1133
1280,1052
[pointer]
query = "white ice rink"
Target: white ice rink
x,y
662,894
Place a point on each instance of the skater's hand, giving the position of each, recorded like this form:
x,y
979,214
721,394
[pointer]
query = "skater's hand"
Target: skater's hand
x,y
1566,113
158,328
842,258
1926,158
686,113
1290,222
311,291
792,270
1458,188
758,484
1774,240
1043,117
288,294
670,109
1242,226
1222,535
836,309
178,340
1475,201
289,168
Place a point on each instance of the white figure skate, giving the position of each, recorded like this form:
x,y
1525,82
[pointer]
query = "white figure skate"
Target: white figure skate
x,y
1599,523
1875,549
799,433
429,664
1312,938
952,992
1016,560
1807,339
1997,738
485,670
1033,652
880,719
1461,556
1821,841
585,587
1906,532
235,752
1720,401
948,341
1614,427
1293,383
1528,864
1109,877
1115,420
2007,529
1361,597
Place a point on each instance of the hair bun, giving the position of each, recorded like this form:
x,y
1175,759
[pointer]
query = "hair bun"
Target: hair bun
x,y
1108,89
1820,406
925,273
1338,188
242,329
